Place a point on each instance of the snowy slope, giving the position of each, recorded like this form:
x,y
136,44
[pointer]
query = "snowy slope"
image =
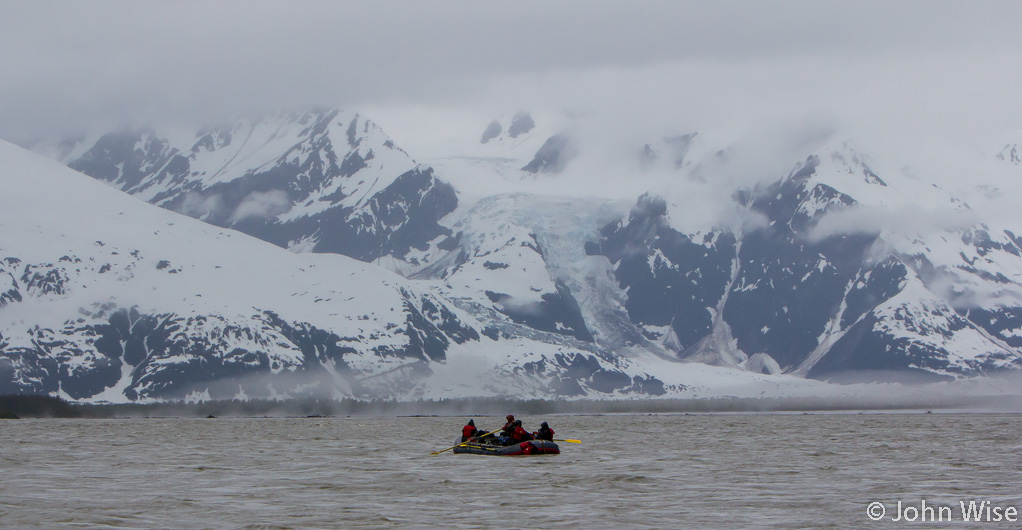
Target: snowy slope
x,y
506,158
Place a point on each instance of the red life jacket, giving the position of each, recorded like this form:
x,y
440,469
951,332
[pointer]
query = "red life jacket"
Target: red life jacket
x,y
521,435
467,432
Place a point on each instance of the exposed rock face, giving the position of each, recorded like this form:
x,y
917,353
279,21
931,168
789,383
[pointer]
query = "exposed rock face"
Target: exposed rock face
x,y
492,131
521,123
553,156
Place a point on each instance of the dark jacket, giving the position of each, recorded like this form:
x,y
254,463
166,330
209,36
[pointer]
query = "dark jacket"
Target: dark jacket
x,y
545,433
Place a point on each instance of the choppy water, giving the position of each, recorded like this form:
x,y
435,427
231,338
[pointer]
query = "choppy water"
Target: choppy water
x,y
631,471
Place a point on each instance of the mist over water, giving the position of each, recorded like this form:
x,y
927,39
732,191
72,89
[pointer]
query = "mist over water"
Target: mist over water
x,y
665,471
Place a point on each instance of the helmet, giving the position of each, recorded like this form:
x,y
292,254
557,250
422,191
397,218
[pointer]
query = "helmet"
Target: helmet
x,y
518,423
472,422
510,417
544,425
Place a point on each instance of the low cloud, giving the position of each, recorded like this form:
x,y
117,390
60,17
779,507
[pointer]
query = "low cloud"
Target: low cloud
x,y
518,307
964,293
262,204
200,206
913,221
684,63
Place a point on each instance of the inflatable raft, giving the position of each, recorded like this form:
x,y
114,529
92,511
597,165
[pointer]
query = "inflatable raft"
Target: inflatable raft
x,y
531,447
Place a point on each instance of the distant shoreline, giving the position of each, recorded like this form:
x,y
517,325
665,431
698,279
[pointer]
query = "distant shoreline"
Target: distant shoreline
x,y
40,406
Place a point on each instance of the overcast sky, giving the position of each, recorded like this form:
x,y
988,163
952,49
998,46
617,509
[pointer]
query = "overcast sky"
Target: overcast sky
x,y
928,65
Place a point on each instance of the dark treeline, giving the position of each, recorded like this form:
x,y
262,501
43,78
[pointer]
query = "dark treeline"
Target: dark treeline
x,y
45,406
13,406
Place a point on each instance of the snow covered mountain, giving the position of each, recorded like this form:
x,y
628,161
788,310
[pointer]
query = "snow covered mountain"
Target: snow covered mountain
x,y
836,276
321,180
837,265
106,298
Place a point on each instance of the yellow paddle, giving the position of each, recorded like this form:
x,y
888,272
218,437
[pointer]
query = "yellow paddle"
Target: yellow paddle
x,y
448,449
567,440
462,444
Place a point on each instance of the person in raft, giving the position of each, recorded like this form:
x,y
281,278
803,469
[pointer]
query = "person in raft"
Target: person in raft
x,y
469,431
507,430
544,432
520,434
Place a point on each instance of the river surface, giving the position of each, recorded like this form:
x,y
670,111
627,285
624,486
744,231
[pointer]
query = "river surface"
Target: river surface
x,y
630,471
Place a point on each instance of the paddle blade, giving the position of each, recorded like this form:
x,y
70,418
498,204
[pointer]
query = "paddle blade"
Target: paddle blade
x,y
448,449
570,440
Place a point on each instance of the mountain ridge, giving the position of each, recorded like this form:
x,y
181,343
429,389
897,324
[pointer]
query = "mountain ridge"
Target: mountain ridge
x,y
836,265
